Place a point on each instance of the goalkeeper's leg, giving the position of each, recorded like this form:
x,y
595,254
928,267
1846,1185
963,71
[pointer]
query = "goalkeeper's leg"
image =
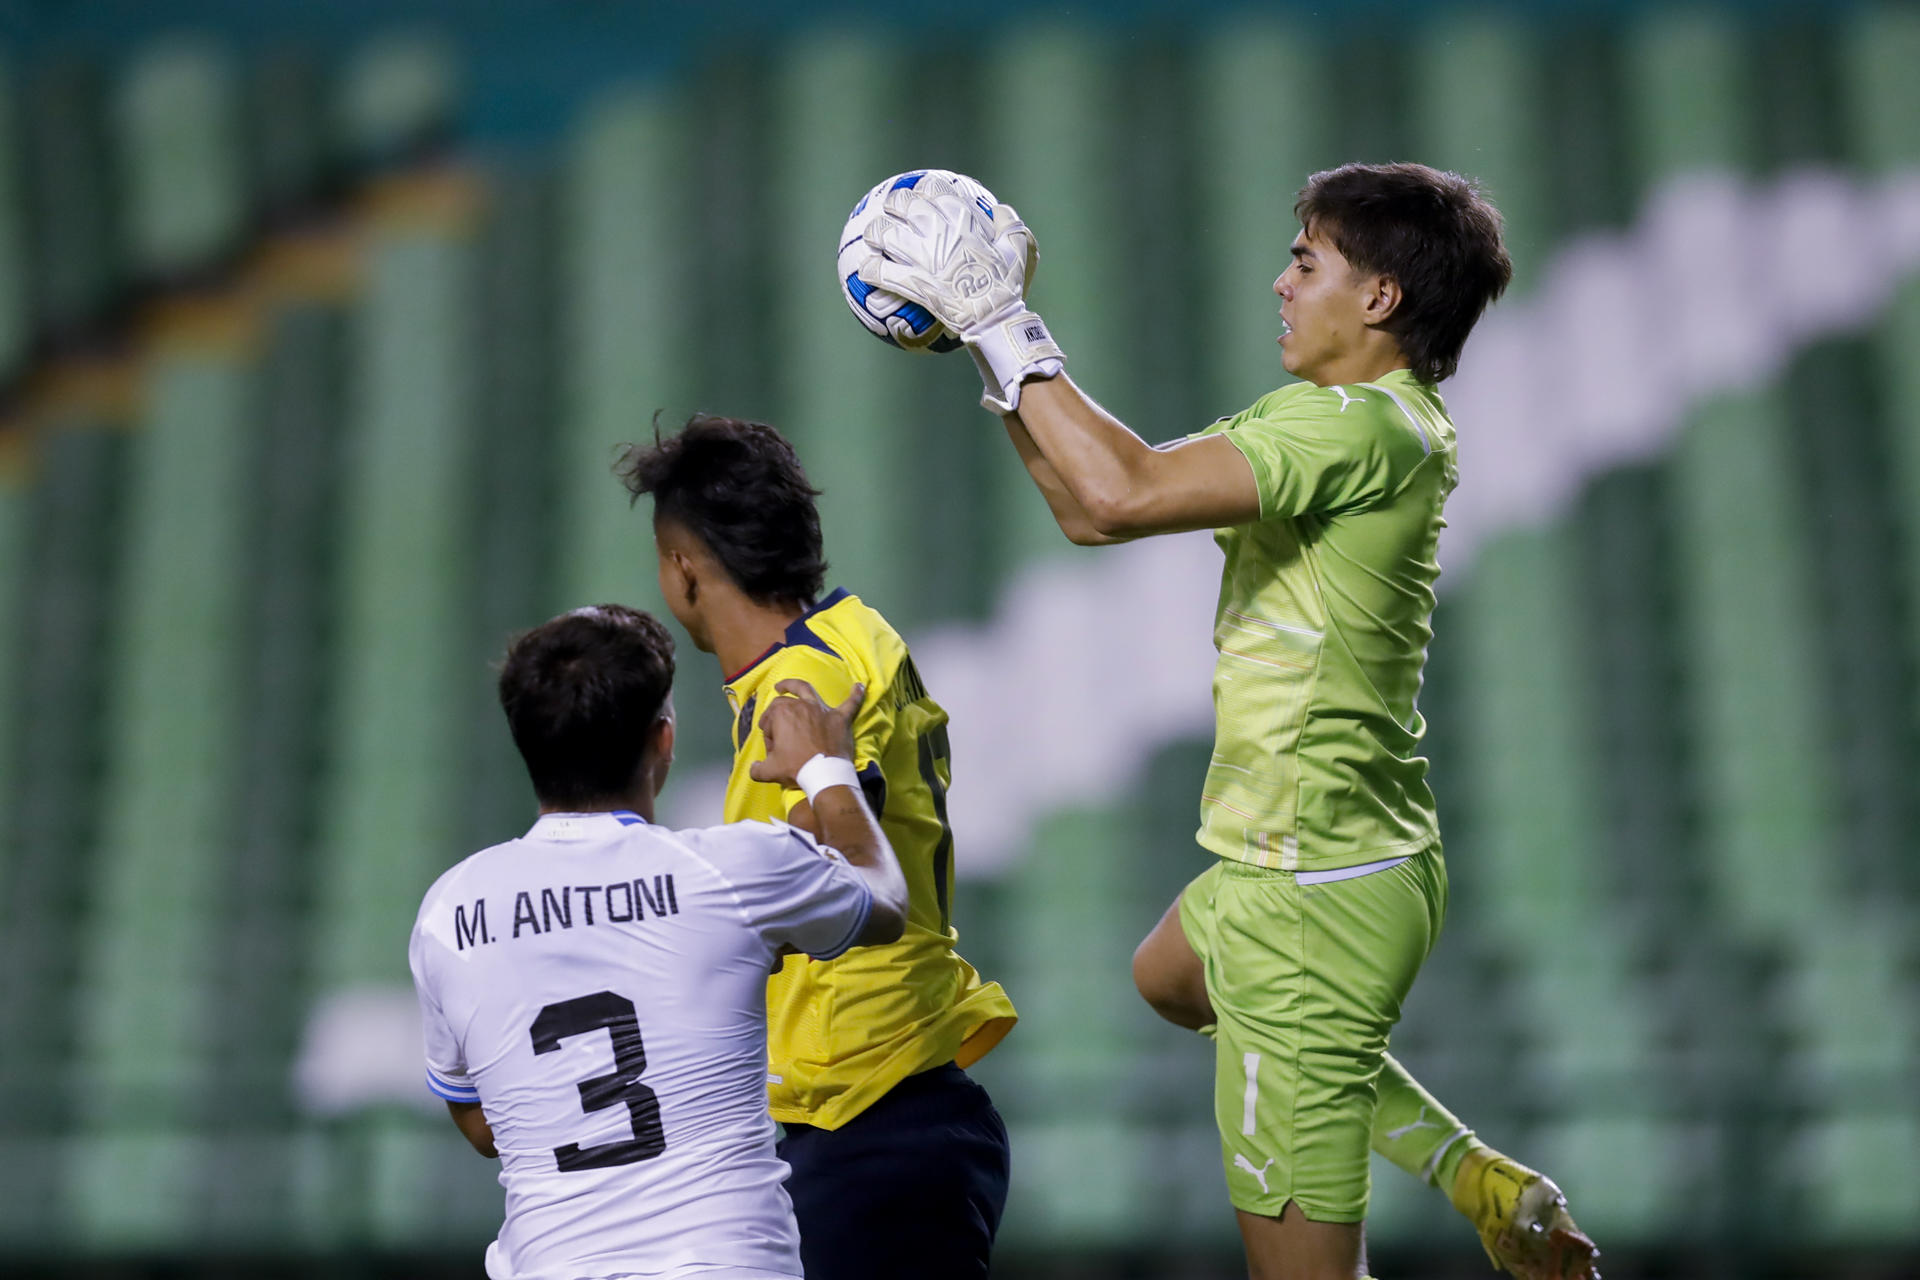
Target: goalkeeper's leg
x,y
1416,1133
1409,1128
1519,1214
1170,977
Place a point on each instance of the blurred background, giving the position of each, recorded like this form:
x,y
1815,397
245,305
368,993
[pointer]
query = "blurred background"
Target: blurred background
x,y
319,325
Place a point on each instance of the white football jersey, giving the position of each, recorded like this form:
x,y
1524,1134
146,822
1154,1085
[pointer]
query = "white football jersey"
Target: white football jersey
x,y
599,987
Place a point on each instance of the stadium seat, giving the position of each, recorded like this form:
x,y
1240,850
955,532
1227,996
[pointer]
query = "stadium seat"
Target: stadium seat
x,y
387,821
172,728
1078,1179
16,479
1860,1175
1849,1001
134,1188
65,623
622,166
1064,77
1262,103
16,273
1631,1175
183,168
1672,721
76,254
1068,965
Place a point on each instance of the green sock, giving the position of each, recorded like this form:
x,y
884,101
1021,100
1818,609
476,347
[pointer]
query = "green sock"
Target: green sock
x,y
1416,1133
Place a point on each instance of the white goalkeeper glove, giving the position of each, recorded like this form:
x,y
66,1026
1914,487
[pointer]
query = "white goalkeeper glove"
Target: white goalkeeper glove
x,y
940,249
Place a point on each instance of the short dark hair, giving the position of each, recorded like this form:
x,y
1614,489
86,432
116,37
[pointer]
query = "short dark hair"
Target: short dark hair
x,y
1433,232
581,693
738,487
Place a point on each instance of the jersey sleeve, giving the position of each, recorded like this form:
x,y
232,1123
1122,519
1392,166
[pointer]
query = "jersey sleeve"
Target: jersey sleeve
x,y
832,677
1325,449
446,1063
795,892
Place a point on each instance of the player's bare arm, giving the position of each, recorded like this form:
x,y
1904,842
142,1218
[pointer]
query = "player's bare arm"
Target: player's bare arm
x,y
1125,487
472,1123
798,727
1067,511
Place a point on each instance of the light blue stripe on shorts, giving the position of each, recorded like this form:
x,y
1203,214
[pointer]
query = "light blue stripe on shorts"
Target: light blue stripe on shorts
x,y
1347,873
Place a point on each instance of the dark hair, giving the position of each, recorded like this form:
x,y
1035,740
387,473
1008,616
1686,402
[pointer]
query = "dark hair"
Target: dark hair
x,y
1433,232
738,487
581,693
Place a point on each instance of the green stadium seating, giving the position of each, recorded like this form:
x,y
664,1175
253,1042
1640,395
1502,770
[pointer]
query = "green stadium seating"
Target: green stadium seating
x,y
16,462
173,737
1068,961
1074,193
62,616
16,275
1260,115
245,715
399,89
848,405
388,825
134,1189
619,217
289,150
182,168
514,483
76,255
1860,1177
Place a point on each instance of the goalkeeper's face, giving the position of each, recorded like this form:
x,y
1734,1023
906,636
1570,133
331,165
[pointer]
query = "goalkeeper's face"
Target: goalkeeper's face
x,y
1329,311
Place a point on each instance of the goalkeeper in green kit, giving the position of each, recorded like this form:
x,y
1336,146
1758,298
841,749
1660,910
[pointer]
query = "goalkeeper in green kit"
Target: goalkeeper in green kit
x,y
1297,947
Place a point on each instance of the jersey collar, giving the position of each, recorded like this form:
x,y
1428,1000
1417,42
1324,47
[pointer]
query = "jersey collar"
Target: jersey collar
x,y
799,632
563,826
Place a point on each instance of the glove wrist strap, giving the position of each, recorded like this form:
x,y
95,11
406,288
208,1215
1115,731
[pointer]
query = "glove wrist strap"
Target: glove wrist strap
x,y
1009,350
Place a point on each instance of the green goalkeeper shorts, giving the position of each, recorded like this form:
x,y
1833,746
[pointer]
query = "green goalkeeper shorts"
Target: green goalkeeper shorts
x,y
1306,982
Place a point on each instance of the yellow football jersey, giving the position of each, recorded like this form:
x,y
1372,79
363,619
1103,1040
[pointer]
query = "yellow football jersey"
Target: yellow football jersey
x,y
842,1032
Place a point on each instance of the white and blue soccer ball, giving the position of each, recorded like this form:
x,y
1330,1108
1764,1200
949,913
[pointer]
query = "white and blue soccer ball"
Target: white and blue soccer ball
x,y
884,314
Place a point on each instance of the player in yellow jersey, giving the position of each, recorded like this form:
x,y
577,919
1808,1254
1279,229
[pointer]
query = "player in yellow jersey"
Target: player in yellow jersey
x,y
899,1159
1299,944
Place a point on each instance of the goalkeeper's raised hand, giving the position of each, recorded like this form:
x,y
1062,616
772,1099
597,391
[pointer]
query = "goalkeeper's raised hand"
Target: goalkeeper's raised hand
x,y
940,249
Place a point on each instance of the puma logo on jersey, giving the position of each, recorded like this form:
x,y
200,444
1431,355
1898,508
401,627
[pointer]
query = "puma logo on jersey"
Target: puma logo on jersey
x,y
1420,1122
1345,399
1260,1174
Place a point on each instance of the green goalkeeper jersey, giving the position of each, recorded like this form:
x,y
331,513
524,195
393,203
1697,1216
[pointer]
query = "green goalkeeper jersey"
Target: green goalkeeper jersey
x,y
1326,604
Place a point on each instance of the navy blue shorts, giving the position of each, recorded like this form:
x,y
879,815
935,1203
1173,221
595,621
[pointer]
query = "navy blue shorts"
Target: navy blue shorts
x,y
911,1187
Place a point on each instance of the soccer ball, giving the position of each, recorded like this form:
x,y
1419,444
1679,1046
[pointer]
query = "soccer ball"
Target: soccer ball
x,y
886,315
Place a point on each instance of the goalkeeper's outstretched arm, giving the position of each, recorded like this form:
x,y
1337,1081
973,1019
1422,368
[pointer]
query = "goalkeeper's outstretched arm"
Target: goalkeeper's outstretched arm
x,y
1067,511
1101,479
1103,482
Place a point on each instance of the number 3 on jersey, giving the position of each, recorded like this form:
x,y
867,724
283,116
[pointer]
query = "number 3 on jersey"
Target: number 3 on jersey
x,y
604,1010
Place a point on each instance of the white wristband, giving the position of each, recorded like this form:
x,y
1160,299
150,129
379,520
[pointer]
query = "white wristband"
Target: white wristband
x,y
824,771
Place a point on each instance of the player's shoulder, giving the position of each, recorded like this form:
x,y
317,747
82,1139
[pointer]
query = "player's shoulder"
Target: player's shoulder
x,y
459,890
1396,418
749,845
855,631
471,869
838,641
1278,401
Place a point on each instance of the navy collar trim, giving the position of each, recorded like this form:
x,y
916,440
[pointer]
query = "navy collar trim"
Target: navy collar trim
x,y
798,633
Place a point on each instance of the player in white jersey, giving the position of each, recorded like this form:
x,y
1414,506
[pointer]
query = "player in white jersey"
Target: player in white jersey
x,y
594,992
